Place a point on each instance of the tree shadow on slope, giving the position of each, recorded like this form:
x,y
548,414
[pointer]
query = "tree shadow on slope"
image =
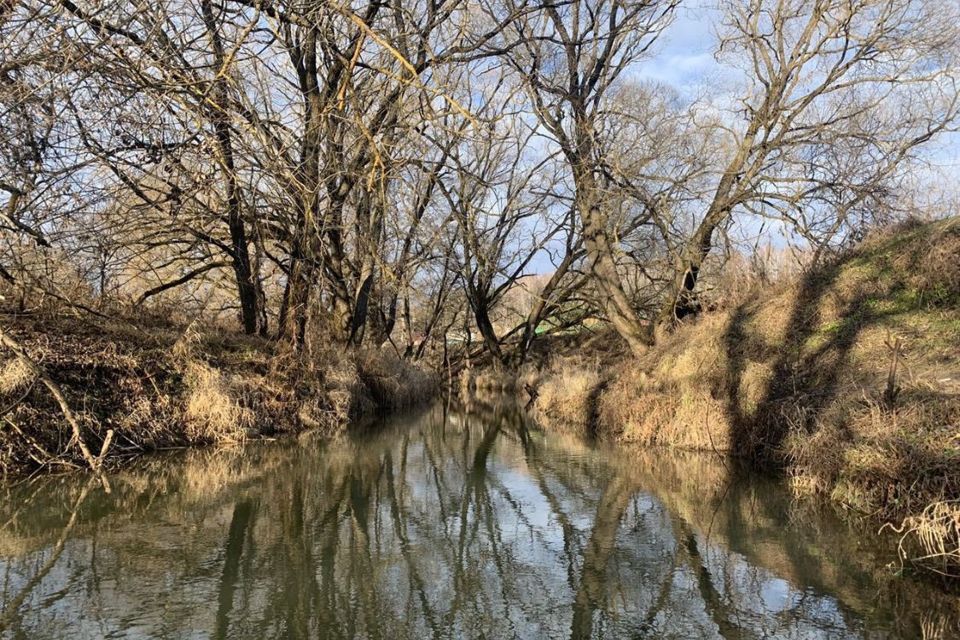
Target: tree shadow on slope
x,y
902,280
805,367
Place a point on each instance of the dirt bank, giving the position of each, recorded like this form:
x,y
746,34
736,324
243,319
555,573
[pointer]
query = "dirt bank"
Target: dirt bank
x,y
848,380
157,386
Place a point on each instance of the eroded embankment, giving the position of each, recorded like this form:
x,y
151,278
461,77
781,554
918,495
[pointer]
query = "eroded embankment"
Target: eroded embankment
x,y
157,386
848,379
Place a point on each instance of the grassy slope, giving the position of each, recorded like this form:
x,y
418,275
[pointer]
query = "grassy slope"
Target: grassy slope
x,y
158,385
796,378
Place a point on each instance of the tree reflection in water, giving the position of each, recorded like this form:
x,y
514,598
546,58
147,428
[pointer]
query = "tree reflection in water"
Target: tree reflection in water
x,y
453,523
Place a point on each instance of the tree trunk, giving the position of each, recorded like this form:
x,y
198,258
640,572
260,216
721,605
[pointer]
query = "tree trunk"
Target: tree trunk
x,y
482,316
258,254
242,265
369,230
358,319
539,307
250,311
682,301
603,267
294,310
295,306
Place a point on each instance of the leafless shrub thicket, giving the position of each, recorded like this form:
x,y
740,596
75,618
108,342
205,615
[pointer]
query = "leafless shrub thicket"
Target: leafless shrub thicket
x,y
386,173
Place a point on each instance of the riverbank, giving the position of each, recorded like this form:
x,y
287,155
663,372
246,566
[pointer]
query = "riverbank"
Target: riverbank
x,y
848,380
137,387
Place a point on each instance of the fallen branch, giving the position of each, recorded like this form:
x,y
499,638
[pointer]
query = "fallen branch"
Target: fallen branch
x,y
57,394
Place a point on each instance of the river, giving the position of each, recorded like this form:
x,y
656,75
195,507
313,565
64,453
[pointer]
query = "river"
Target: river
x,y
453,522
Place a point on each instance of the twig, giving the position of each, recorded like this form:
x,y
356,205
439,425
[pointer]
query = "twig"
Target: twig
x,y
46,455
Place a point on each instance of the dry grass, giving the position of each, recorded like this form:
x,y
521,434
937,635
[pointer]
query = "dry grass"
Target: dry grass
x,y
567,395
670,397
936,532
15,375
394,383
875,459
494,379
638,410
486,380
795,375
212,412
328,389
739,277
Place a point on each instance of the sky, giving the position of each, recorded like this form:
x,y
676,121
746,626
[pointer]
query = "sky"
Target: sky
x,y
683,58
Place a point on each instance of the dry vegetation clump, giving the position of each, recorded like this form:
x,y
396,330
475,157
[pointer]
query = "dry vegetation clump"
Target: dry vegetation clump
x,y
877,459
472,381
394,383
734,280
322,391
491,379
111,384
567,395
640,409
465,382
672,397
15,375
932,538
212,411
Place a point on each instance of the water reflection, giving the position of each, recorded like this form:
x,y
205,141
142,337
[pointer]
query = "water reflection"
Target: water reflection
x,y
455,523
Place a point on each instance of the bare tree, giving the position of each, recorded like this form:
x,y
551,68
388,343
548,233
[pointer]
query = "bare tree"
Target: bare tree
x,y
569,57
498,195
838,95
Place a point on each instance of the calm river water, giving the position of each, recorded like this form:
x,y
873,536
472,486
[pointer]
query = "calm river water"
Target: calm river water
x,y
451,523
